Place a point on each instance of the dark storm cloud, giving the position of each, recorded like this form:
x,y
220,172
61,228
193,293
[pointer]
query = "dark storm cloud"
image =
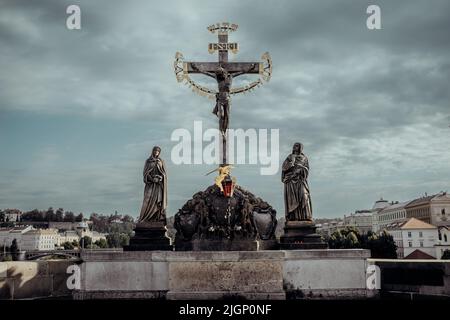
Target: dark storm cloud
x,y
365,103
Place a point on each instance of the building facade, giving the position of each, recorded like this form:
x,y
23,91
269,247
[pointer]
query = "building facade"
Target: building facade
x,y
440,210
366,220
81,229
414,235
12,215
7,235
433,209
377,207
68,236
443,242
40,239
326,229
390,215
360,220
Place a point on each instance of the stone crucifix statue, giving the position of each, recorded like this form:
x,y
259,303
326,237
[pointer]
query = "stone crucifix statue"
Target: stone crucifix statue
x,y
224,81
223,72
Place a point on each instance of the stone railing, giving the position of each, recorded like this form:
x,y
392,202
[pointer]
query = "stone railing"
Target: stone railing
x,y
284,274
226,274
413,279
35,279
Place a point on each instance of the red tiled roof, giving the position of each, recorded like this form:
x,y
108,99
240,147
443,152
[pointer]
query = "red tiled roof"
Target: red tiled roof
x,y
414,223
417,254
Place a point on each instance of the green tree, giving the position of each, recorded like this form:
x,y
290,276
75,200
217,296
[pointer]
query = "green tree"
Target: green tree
x,y
50,215
31,215
68,245
336,240
86,242
59,215
124,239
102,243
113,240
79,218
69,216
2,215
127,218
351,241
7,257
382,246
446,255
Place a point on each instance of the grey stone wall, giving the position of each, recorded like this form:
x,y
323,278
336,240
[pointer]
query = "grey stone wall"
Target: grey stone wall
x,y
307,274
34,279
227,274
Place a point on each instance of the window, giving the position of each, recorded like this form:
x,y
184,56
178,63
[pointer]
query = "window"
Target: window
x,y
421,243
409,234
409,244
445,237
443,212
420,234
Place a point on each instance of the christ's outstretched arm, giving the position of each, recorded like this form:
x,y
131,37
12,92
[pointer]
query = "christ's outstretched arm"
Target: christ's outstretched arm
x,y
196,68
244,71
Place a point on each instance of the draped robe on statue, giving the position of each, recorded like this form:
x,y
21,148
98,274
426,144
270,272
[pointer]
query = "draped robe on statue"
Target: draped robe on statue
x,y
155,193
297,198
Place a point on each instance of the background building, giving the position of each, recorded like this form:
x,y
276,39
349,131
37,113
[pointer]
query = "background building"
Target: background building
x,y
326,229
40,239
443,242
7,235
12,215
440,209
366,220
433,209
414,238
361,220
391,214
68,236
377,207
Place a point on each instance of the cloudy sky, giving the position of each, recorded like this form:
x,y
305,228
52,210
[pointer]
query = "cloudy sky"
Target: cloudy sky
x,y
81,109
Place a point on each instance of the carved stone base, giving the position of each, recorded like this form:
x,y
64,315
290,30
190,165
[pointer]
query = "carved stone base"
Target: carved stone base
x,y
210,221
268,245
216,245
149,236
301,235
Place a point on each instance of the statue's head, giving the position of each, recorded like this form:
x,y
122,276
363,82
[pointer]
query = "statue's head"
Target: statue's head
x,y
156,151
297,148
221,70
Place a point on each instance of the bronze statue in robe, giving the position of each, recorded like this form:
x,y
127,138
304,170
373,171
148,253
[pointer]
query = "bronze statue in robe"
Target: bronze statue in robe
x,y
155,193
297,198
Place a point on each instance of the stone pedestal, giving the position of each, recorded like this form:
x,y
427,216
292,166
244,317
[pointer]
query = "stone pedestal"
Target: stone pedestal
x,y
216,245
201,275
237,275
268,245
301,235
210,221
149,236
326,274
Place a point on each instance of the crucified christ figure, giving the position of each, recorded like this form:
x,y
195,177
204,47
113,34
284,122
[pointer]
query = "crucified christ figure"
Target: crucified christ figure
x,y
224,80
